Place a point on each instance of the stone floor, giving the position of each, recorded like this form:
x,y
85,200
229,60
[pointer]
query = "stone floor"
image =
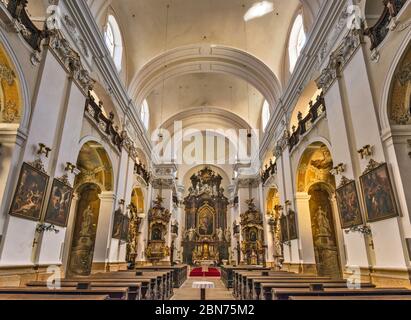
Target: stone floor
x,y
186,292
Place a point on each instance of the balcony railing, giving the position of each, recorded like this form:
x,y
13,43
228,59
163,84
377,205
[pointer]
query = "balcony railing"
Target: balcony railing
x,y
28,30
379,31
269,171
95,112
317,109
140,169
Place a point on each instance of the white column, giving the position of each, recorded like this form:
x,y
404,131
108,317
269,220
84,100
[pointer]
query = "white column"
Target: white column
x,y
104,227
304,228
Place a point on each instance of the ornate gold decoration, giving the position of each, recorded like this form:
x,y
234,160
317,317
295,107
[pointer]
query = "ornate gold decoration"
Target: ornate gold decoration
x,y
344,181
10,112
38,164
7,74
371,166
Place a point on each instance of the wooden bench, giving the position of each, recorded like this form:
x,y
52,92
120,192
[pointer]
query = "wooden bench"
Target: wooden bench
x,y
134,288
180,272
33,297
246,286
285,294
265,289
148,284
164,283
354,298
239,278
118,293
227,273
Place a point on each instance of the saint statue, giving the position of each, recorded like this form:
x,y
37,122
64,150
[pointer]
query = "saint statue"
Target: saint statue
x,y
228,235
324,228
220,234
87,222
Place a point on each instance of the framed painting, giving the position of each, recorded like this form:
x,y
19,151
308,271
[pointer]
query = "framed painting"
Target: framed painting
x,y
292,225
58,208
349,205
284,229
30,193
378,193
117,224
124,228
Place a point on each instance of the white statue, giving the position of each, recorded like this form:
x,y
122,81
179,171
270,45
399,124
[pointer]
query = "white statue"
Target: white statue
x,y
220,234
87,222
191,234
323,223
228,235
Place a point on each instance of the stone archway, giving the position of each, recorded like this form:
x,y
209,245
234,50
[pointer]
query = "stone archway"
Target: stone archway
x,y
316,214
323,230
92,185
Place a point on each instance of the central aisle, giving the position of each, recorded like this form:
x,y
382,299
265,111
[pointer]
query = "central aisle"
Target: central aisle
x,y
186,292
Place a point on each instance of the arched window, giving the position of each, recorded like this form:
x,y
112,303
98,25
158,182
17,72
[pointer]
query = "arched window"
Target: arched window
x,y
266,114
145,114
114,42
296,41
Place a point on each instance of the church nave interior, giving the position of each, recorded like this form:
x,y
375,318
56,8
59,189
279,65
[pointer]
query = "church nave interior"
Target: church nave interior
x,y
205,150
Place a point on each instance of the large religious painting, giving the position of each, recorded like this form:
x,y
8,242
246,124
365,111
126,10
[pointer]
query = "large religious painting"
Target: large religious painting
x,y
30,193
58,208
349,205
117,224
292,225
378,194
206,220
124,228
284,229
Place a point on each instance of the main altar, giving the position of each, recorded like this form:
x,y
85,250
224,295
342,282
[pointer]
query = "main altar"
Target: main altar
x,y
207,236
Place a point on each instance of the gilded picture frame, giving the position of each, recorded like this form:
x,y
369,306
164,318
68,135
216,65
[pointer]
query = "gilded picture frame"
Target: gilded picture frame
x,y
29,196
348,203
117,225
378,195
59,204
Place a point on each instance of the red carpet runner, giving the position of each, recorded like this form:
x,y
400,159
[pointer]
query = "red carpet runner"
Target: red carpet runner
x,y
198,272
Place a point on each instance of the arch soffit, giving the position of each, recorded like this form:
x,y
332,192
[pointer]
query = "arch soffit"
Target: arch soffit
x,y
206,59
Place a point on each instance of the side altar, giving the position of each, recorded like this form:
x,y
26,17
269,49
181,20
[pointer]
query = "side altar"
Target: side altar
x,y
207,236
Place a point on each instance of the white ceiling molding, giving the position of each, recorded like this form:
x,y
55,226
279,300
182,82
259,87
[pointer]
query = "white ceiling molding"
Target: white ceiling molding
x,y
206,59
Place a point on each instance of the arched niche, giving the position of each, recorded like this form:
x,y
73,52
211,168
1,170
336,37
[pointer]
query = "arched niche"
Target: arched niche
x,y
95,166
315,165
137,199
10,96
273,200
399,103
315,180
95,178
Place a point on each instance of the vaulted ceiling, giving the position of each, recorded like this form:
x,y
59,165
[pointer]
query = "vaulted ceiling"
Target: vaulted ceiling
x,y
152,28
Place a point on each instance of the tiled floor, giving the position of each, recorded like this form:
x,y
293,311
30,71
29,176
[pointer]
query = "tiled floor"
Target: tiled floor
x,y
186,292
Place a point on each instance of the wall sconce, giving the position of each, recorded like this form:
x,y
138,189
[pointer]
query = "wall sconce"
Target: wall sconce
x,y
70,167
43,149
338,169
366,151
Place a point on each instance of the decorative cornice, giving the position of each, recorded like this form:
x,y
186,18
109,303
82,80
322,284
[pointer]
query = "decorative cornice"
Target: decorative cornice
x,y
339,59
70,60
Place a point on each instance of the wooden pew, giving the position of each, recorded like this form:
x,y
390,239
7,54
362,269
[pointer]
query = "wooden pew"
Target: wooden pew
x,y
285,294
227,273
238,277
48,297
354,298
180,272
134,288
264,289
164,280
148,284
117,293
158,291
246,283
